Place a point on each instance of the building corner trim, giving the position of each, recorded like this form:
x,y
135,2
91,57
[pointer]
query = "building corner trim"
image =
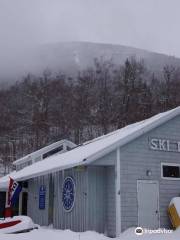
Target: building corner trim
x,y
118,194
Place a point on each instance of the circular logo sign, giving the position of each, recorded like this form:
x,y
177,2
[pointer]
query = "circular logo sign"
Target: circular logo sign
x,y
68,194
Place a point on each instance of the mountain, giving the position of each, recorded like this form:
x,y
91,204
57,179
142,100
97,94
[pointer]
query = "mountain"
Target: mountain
x,y
69,57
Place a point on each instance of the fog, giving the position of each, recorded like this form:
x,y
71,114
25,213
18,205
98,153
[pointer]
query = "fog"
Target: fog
x,y
146,24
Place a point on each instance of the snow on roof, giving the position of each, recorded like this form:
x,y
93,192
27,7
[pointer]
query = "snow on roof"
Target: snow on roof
x,y
5,180
176,202
43,150
92,150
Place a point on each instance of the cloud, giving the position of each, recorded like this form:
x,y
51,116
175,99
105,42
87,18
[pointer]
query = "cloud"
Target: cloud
x,y
151,24
148,24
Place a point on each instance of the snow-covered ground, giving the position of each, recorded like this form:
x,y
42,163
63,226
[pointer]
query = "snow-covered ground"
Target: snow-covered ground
x,y
49,234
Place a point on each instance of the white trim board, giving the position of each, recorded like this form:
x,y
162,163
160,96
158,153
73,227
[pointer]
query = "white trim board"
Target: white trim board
x,y
118,193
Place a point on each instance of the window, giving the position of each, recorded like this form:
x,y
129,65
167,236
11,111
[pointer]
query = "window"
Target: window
x,y
53,151
68,148
171,171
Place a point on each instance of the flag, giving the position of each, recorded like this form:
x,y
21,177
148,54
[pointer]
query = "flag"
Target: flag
x,y
13,192
9,191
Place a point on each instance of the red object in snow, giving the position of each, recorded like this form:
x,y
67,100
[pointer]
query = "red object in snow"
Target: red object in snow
x,y
9,224
8,212
16,224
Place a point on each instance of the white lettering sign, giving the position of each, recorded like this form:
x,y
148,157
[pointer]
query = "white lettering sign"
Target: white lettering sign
x,y
164,145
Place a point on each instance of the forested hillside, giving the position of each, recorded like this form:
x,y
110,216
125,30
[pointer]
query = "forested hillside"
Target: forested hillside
x,y
71,57
43,109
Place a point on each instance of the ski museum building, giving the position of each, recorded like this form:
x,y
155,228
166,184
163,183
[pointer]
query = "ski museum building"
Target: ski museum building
x,y
123,179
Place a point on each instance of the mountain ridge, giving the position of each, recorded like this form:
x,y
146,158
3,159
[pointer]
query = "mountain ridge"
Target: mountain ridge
x,y
71,57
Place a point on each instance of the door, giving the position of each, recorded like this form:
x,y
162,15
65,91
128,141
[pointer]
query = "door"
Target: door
x,y
148,204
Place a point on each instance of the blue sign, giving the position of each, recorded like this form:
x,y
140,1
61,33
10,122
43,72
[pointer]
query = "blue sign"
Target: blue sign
x,y
42,197
68,194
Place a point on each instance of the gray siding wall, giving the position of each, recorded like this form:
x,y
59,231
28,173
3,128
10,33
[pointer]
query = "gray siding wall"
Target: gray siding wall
x,y
136,158
96,199
75,220
38,216
110,202
107,160
94,207
106,181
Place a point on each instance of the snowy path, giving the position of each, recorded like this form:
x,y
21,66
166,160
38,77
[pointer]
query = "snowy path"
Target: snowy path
x,y
48,234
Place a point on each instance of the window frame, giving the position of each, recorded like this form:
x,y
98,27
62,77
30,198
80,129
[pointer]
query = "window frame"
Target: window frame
x,y
169,164
52,152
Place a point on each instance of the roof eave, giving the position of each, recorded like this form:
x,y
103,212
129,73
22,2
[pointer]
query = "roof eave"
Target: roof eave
x,y
133,136
110,148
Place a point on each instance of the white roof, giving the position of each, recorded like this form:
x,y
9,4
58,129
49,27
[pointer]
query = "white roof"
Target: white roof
x,y
92,150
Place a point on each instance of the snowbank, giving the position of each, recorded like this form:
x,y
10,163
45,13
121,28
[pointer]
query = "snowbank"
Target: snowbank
x,y
176,202
50,234
130,235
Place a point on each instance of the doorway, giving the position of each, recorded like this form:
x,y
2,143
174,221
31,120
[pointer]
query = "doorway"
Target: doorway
x,y
24,203
2,203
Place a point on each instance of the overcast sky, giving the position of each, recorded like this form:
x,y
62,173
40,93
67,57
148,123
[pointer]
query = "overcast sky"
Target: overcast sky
x,y
147,24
